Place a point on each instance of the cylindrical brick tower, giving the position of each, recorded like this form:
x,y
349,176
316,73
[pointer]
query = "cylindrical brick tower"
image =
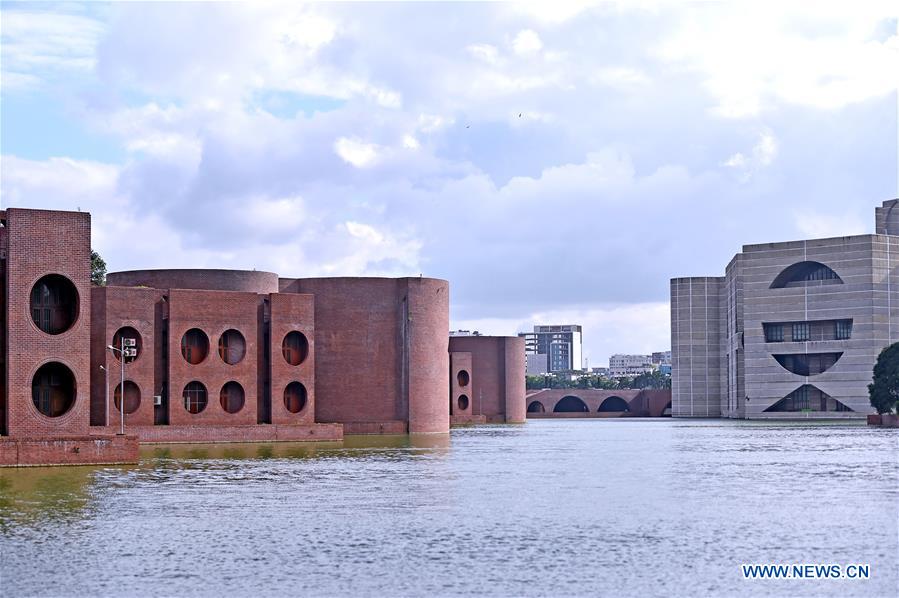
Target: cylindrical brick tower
x,y
381,362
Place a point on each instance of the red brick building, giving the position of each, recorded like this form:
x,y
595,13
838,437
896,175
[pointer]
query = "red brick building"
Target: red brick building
x,y
487,379
222,355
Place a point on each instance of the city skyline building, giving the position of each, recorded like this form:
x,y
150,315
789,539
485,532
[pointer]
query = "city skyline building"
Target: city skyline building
x,y
561,343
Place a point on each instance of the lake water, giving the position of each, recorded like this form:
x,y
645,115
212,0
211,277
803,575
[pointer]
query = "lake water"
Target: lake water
x,y
551,508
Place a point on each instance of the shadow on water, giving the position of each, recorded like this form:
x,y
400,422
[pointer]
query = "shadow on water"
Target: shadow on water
x,y
354,446
36,495
41,494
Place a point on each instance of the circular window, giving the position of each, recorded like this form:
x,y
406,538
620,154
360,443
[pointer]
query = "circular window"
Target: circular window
x,y
295,397
53,389
195,397
54,304
232,397
129,335
463,402
463,378
232,347
132,397
194,346
295,348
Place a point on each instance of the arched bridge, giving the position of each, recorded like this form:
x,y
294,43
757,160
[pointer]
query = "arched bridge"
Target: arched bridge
x,y
590,402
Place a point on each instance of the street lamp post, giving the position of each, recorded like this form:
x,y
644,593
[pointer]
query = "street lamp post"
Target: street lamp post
x,y
127,348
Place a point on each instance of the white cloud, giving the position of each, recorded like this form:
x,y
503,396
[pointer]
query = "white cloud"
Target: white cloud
x,y
40,46
485,53
527,42
623,78
762,155
410,142
750,58
358,153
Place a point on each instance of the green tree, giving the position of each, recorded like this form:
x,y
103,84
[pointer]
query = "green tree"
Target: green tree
x,y
884,391
98,269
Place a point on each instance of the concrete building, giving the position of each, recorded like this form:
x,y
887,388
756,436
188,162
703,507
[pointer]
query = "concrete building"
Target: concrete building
x,y
792,329
537,364
562,344
661,357
222,355
621,366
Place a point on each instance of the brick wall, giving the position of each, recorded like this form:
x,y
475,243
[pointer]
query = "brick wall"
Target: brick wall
x,y
249,281
380,341
498,378
291,313
43,242
115,308
72,450
213,312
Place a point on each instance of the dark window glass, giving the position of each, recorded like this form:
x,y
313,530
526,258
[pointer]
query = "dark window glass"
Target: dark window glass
x,y
774,333
194,397
800,332
843,329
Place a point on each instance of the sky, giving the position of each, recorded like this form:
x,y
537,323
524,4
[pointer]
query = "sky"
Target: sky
x,y
557,162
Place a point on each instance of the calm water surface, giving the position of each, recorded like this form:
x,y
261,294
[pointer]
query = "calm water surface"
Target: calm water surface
x,y
552,508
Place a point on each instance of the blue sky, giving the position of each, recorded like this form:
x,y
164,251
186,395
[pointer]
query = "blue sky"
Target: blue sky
x,y
557,162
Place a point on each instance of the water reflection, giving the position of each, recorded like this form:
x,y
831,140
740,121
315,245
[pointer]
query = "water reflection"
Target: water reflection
x,y
595,507
39,494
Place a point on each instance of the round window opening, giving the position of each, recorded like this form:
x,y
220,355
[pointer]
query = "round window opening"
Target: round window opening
x,y
295,348
463,402
232,397
195,398
133,346
463,378
54,304
132,397
194,346
53,389
295,397
232,347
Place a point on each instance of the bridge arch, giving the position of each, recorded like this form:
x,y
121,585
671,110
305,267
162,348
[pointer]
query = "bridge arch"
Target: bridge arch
x,y
536,407
613,404
571,404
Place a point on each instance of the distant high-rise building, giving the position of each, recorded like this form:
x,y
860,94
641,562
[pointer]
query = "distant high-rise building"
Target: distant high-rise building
x,y
629,365
536,365
661,357
562,345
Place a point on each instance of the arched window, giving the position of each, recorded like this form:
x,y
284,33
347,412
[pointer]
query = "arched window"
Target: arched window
x,y
806,274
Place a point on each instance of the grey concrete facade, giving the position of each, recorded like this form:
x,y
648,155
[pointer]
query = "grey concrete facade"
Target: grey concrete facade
x,y
792,330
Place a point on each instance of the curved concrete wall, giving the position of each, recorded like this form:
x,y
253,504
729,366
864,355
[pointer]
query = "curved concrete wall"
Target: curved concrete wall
x,y
381,351
249,281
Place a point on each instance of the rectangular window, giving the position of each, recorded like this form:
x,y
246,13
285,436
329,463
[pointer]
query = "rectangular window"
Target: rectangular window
x,y
800,332
774,333
843,330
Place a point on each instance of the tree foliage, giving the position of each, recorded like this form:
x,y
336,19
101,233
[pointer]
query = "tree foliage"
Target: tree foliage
x,y
884,391
98,269
563,380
